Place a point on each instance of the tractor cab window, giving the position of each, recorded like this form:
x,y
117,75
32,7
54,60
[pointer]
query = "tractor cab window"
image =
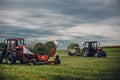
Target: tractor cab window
x,y
19,43
8,44
12,44
90,45
86,44
95,45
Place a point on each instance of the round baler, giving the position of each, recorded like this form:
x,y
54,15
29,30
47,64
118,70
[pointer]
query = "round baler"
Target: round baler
x,y
42,53
74,49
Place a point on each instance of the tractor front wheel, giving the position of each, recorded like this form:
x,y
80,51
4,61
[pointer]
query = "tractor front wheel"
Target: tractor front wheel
x,y
10,57
96,55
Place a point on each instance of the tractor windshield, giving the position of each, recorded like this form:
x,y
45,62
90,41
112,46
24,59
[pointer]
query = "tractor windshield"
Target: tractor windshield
x,y
91,44
19,43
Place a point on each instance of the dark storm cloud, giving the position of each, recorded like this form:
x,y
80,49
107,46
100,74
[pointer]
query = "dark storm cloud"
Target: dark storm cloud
x,y
94,10
41,18
91,37
10,31
88,11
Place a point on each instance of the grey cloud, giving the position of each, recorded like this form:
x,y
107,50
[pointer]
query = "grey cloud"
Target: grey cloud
x,y
9,31
77,8
82,11
91,37
49,16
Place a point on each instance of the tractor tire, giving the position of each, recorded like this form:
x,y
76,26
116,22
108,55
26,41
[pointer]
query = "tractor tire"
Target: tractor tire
x,y
1,58
10,57
32,62
85,52
69,54
96,55
103,54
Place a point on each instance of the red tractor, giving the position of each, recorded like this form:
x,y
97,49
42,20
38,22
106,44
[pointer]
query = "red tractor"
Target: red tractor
x,y
91,49
15,49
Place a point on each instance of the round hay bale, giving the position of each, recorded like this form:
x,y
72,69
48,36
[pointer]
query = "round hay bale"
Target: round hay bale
x,y
49,47
39,48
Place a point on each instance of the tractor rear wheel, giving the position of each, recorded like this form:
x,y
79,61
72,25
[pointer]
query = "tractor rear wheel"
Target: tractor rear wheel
x,y
103,54
96,55
85,52
1,58
10,57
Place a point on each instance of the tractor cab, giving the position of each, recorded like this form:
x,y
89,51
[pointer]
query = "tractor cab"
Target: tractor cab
x,y
14,43
15,50
91,44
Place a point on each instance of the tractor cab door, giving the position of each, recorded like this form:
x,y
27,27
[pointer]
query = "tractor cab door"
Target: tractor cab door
x,y
19,42
10,44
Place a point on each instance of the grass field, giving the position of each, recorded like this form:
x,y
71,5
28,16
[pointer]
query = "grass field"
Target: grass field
x,y
71,68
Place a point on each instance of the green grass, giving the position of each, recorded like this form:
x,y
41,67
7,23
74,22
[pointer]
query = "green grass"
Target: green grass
x,y
71,68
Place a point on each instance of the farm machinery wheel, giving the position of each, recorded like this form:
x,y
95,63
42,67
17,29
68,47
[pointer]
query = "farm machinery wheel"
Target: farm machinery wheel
x,y
102,53
96,55
1,59
10,57
32,62
69,54
85,52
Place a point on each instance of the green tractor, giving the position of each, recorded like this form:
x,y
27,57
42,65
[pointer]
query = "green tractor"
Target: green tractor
x,y
74,49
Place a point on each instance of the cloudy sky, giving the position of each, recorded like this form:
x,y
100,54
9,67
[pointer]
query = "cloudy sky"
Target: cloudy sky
x,y
73,20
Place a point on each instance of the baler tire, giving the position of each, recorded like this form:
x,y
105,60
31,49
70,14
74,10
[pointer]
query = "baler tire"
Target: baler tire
x,y
69,54
32,62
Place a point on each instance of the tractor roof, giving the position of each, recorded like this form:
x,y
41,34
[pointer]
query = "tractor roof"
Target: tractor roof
x,y
76,44
91,42
15,39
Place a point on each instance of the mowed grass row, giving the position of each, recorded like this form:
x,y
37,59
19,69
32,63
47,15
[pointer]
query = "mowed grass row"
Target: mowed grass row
x,y
71,68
